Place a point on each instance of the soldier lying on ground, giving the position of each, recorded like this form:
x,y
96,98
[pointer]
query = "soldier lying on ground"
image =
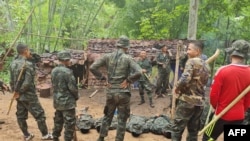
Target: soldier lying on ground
x,y
160,124
136,125
85,122
98,123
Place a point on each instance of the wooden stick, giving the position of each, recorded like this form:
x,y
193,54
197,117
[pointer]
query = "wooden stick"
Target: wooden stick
x,y
94,93
216,117
18,35
175,78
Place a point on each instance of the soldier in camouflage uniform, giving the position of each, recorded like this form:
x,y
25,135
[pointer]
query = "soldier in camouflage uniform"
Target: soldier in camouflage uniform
x,y
136,125
27,100
119,67
163,60
65,95
144,83
190,88
85,121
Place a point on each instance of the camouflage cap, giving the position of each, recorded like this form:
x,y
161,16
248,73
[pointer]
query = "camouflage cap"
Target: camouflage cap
x,y
239,48
123,42
64,55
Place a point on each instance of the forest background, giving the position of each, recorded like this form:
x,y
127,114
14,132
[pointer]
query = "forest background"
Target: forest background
x,y
59,24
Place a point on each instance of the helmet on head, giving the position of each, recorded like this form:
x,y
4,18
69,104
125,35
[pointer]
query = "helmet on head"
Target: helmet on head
x,y
239,48
123,42
64,55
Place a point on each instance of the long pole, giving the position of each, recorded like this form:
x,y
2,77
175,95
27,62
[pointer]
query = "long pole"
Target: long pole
x,y
18,35
216,117
179,44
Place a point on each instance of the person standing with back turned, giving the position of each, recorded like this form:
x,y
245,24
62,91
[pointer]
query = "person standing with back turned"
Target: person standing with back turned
x,y
119,66
26,97
65,95
191,90
229,81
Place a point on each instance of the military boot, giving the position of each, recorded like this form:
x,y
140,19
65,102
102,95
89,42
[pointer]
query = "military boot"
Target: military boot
x,y
2,122
142,99
151,103
100,139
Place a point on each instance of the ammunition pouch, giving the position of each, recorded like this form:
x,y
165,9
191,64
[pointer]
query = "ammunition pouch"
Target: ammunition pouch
x,y
192,99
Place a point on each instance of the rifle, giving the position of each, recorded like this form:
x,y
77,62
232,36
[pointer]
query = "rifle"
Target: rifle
x,y
15,94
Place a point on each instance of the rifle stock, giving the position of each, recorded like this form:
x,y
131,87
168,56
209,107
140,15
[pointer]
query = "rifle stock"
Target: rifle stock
x,y
15,94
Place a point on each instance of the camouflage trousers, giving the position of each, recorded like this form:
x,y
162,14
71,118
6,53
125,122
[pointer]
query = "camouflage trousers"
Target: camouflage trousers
x,y
186,115
121,101
36,110
144,85
162,82
68,118
247,117
205,113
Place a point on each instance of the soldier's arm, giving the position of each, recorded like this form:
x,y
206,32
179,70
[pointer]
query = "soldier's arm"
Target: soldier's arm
x,y
72,86
28,75
94,68
137,71
186,75
11,79
149,69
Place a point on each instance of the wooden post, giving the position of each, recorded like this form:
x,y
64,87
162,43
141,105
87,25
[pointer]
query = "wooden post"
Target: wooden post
x,y
192,21
179,44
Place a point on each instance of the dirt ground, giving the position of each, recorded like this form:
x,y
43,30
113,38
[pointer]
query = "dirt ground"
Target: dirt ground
x,y
11,132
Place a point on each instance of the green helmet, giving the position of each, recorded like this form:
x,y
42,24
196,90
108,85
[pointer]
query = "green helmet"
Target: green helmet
x,y
64,55
123,42
239,48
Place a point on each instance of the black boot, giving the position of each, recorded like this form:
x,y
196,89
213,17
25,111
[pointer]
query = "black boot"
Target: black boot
x,y
142,100
100,139
151,103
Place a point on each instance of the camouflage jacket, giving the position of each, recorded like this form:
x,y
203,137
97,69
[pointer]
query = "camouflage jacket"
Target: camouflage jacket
x,y
120,67
26,85
65,91
193,81
165,60
136,124
113,125
159,124
145,64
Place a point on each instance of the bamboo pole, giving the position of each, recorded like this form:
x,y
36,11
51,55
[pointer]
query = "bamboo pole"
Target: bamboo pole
x,y
18,35
216,117
179,44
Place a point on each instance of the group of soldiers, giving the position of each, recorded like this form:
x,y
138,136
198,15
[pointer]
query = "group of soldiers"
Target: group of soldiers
x,y
123,71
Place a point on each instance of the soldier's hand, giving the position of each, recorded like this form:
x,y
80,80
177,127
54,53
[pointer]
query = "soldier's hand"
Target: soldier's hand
x,y
176,90
124,84
5,87
16,95
144,71
103,78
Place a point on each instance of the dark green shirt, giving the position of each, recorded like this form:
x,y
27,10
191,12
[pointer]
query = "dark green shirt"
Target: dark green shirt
x,y
65,91
120,67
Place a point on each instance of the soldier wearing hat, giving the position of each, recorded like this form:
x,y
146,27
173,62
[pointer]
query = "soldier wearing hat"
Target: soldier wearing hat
x,y
65,95
119,67
229,81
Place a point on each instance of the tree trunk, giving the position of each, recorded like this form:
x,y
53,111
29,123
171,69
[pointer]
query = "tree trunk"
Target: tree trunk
x,y
192,21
